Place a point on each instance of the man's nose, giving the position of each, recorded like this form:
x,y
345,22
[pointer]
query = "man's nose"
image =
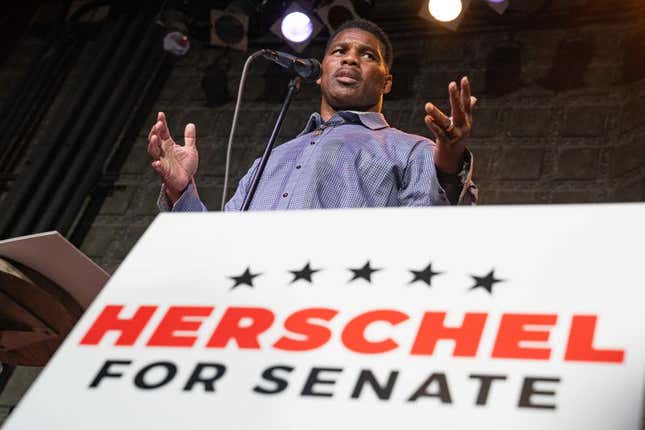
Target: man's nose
x,y
350,58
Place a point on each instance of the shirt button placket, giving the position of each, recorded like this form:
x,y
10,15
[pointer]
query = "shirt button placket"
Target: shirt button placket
x,y
298,166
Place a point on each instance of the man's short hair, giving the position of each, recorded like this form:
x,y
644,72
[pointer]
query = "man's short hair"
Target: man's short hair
x,y
370,27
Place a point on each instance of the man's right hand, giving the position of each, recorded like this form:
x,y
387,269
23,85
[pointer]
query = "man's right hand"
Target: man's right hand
x,y
175,164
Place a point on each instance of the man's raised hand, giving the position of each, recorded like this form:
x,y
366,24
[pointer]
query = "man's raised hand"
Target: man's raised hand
x,y
175,164
450,131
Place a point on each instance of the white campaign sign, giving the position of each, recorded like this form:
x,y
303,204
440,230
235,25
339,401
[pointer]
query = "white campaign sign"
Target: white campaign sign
x,y
489,317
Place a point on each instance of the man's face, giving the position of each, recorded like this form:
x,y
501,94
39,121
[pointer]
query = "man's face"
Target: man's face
x,y
354,73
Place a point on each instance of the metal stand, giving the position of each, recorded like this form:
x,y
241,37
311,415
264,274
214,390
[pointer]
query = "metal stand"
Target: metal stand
x,y
294,87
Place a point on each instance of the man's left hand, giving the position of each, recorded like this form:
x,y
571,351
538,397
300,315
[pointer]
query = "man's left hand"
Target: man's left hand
x,y
450,131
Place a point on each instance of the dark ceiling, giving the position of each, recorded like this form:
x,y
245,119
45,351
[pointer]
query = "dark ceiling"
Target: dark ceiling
x,y
399,18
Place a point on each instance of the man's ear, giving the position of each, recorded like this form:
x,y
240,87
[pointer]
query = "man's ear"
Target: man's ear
x,y
318,81
387,86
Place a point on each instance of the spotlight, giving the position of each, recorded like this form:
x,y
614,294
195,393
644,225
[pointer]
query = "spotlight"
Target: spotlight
x,y
176,40
445,10
447,13
336,13
176,43
498,6
297,28
229,28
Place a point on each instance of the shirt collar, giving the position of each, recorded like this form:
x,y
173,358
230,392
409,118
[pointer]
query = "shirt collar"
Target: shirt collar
x,y
371,120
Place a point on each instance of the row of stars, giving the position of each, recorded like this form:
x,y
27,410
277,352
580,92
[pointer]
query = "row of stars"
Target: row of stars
x,y
425,275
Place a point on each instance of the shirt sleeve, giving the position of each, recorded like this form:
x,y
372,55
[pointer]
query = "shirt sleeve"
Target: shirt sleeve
x,y
460,186
236,202
188,201
470,192
420,185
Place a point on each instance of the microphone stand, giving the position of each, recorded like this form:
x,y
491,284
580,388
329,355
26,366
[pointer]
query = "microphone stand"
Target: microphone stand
x,y
294,86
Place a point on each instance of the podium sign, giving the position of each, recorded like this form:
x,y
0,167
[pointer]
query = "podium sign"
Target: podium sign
x,y
489,317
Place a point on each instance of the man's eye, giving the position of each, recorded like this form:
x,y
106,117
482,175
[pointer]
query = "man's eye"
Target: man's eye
x,y
370,56
337,50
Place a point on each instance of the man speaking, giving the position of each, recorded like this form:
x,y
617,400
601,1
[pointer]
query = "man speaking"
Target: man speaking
x,y
347,156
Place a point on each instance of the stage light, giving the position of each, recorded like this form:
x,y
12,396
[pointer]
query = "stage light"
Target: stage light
x,y
498,6
176,40
445,10
176,43
336,13
447,13
229,28
297,27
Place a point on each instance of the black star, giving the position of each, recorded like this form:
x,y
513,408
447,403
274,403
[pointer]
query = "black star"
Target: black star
x,y
486,282
245,278
424,275
364,272
305,273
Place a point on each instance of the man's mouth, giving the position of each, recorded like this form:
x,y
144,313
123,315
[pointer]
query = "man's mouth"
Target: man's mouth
x,y
347,77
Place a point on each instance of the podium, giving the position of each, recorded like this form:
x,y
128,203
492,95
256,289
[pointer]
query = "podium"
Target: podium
x,y
45,285
491,317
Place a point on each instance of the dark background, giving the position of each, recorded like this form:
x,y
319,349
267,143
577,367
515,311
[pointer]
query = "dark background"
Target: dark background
x,y
560,117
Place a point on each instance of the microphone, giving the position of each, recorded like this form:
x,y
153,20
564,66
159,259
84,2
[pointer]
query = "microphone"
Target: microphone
x,y
307,68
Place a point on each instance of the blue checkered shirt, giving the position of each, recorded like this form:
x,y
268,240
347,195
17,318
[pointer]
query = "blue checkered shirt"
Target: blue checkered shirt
x,y
353,160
